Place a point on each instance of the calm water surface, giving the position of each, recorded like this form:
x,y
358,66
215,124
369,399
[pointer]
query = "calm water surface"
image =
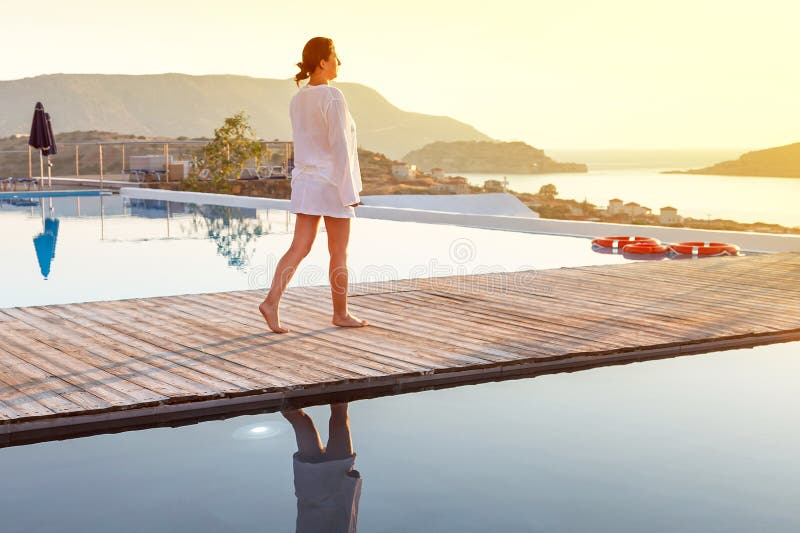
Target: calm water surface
x,y
771,200
635,176
153,248
701,443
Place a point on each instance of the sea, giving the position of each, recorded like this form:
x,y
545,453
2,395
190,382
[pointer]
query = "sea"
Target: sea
x,y
636,176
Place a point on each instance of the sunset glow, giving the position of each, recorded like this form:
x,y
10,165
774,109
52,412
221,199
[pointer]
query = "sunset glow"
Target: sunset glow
x,y
574,74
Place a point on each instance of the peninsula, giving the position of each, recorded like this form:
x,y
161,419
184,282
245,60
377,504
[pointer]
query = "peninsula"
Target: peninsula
x,y
780,162
488,156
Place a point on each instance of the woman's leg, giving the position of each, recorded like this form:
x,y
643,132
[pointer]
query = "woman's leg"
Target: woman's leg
x,y
338,230
305,231
308,442
340,444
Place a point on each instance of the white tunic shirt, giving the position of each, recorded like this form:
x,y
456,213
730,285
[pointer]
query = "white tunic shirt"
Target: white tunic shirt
x,y
326,179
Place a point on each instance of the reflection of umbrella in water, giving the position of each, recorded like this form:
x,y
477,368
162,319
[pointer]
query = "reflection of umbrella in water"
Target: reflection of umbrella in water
x,y
45,245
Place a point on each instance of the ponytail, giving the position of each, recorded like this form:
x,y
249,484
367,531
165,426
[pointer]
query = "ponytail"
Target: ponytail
x,y
314,52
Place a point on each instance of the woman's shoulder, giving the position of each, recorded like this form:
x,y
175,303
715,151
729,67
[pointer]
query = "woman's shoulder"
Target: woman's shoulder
x,y
336,92
325,91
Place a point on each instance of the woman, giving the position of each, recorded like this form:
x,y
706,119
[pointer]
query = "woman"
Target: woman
x,y
326,180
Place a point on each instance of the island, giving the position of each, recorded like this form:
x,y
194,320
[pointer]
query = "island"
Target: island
x,y
488,156
780,162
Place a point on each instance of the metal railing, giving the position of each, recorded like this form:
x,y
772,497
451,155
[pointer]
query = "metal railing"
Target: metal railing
x,y
188,149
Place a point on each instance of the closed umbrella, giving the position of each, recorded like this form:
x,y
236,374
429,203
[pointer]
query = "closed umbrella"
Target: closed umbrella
x,y
40,138
53,150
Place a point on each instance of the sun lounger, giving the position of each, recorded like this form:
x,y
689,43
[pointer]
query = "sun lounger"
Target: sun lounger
x,y
140,174
271,172
28,182
249,174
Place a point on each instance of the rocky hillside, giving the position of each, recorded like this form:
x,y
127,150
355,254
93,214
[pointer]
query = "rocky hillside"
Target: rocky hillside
x,y
488,156
180,105
780,162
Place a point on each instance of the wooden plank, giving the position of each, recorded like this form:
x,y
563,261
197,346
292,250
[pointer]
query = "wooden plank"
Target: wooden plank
x,y
307,349
84,352
375,339
370,362
117,357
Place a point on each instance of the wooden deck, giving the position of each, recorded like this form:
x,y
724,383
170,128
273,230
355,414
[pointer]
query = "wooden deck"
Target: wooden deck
x,y
74,369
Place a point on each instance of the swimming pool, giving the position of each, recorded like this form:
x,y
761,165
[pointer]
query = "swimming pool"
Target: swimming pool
x,y
695,443
704,443
111,248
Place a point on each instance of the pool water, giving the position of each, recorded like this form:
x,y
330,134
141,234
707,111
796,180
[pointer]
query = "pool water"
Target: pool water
x,y
111,248
702,443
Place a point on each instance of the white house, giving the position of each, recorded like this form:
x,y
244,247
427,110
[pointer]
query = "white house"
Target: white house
x,y
669,215
455,184
615,206
634,210
437,173
403,170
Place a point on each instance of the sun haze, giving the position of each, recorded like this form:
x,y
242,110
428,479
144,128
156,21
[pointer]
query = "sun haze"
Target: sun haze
x,y
570,74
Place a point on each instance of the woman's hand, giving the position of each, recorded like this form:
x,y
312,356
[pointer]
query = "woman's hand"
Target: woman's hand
x,y
354,205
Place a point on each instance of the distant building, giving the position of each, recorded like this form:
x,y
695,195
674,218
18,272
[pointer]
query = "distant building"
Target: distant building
x,y
20,135
575,210
493,186
455,185
669,215
633,209
403,170
615,206
437,173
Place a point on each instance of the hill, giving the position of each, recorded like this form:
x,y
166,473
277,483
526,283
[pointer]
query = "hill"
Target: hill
x,y
488,156
176,105
780,162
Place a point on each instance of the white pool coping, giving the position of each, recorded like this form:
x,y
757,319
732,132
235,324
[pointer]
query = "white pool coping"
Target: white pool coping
x,y
748,241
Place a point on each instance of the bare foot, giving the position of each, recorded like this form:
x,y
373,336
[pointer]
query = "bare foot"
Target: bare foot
x,y
349,321
270,314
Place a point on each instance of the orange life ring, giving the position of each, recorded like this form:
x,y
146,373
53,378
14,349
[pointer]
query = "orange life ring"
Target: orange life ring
x,y
645,248
705,248
621,242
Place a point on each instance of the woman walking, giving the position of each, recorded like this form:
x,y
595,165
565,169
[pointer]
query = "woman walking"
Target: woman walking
x,y
326,180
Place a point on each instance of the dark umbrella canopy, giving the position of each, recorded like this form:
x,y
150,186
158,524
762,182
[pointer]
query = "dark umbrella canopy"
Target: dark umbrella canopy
x,y
40,136
52,150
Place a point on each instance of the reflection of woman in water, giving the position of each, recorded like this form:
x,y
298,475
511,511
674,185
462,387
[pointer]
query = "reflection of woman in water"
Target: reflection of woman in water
x,y
326,485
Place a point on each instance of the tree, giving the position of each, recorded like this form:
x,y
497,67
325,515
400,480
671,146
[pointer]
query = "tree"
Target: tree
x,y
225,156
231,230
548,192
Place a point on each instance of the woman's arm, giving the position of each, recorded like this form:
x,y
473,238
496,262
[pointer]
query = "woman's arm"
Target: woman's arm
x,y
341,143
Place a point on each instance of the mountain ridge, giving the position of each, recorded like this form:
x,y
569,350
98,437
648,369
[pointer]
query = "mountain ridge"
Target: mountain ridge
x,y
175,104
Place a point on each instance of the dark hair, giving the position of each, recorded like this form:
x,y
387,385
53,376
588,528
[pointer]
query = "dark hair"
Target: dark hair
x,y
314,52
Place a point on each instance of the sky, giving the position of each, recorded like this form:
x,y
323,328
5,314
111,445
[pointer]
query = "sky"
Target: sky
x,y
570,74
